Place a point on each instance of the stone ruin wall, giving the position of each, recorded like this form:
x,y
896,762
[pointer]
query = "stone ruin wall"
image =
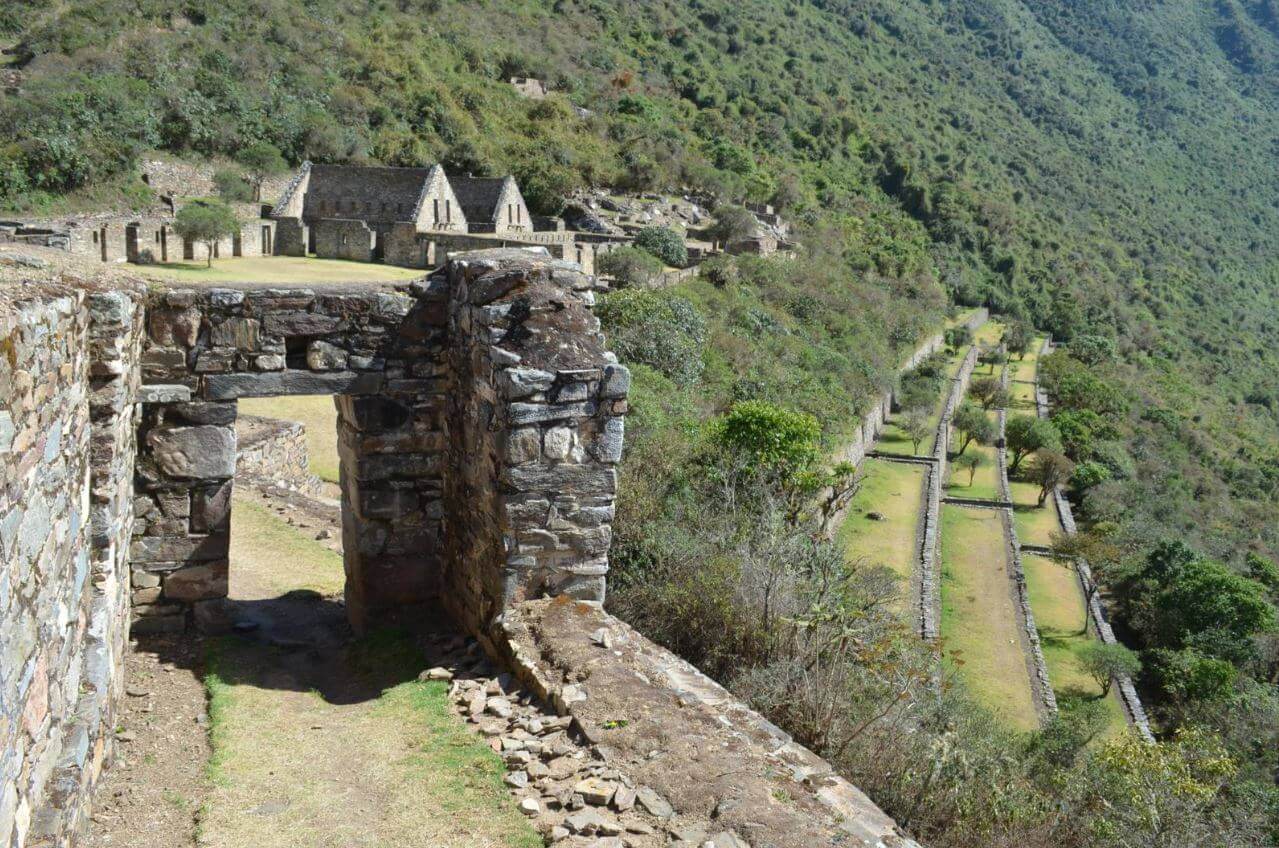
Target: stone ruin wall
x,y
480,421
274,452
67,374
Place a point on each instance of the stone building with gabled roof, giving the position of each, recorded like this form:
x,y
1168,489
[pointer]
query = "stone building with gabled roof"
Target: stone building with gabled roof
x,y
350,211
492,205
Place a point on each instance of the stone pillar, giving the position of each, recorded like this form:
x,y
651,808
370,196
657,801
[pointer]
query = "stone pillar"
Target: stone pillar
x,y
182,510
534,435
390,447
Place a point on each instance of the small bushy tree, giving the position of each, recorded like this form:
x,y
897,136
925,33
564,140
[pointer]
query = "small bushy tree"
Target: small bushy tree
x,y
732,223
1026,434
1104,662
1049,469
969,462
973,425
916,426
630,266
664,243
207,222
1017,337
773,439
260,160
232,186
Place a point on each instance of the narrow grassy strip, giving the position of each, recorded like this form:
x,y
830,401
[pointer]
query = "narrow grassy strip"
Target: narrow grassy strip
x,y
979,623
1035,524
382,762
891,491
317,414
1058,604
276,269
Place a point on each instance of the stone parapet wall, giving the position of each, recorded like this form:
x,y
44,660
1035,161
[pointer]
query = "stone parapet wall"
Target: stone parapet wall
x,y
712,764
1041,685
930,537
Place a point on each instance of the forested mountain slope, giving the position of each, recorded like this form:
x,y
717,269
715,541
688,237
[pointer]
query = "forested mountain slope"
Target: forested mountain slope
x,y
1103,169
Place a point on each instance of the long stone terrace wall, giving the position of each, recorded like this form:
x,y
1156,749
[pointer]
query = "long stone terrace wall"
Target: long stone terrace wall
x,y
1041,685
930,538
1128,696
67,371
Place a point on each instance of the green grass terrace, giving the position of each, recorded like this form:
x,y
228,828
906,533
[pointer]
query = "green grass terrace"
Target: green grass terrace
x,y
979,623
892,492
1057,600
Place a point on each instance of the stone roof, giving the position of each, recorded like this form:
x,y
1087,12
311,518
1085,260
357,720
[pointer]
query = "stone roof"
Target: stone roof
x,y
479,196
380,195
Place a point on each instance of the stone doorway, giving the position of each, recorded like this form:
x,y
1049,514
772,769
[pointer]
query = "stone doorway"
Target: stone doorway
x,y
480,426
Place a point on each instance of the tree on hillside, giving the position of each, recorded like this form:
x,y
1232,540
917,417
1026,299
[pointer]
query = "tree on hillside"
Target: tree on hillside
x,y
630,266
973,425
206,222
1105,662
916,426
732,223
982,388
1049,469
261,160
969,462
232,186
664,243
1017,337
1026,434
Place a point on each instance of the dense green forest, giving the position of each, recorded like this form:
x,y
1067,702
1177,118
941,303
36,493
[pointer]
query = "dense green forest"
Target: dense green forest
x,y
1104,170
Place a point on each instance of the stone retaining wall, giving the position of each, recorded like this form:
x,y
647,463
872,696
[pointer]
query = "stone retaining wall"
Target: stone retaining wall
x,y
1041,685
1128,696
273,451
930,537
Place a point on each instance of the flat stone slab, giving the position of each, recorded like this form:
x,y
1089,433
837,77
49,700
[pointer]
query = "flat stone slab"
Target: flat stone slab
x,y
164,393
294,382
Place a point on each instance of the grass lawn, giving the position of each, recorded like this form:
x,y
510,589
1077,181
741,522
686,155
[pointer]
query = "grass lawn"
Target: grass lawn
x,y
1035,524
1058,605
338,745
988,334
978,621
985,481
277,269
895,491
317,414
258,535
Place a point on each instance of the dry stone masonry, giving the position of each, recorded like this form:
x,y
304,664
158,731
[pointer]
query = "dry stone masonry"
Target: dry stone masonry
x,y
68,369
480,428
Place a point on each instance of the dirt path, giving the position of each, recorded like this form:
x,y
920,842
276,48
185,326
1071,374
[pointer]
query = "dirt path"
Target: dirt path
x,y
314,738
150,796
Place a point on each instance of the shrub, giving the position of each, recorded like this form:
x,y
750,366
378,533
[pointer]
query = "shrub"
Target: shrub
x,y
772,439
732,223
233,187
664,243
719,270
630,266
659,329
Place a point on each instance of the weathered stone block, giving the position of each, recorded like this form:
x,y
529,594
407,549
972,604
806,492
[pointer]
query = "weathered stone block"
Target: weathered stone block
x,y
239,333
174,326
322,356
522,382
178,549
203,451
197,582
201,412
523,445
299,323
164,393
534,413
583,480
211,508
616,382
292,382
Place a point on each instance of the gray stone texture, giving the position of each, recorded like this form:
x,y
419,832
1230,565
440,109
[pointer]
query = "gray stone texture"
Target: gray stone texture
x,y
67,386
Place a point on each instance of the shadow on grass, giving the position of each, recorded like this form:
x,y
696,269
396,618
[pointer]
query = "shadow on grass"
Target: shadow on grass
x,y
300,641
